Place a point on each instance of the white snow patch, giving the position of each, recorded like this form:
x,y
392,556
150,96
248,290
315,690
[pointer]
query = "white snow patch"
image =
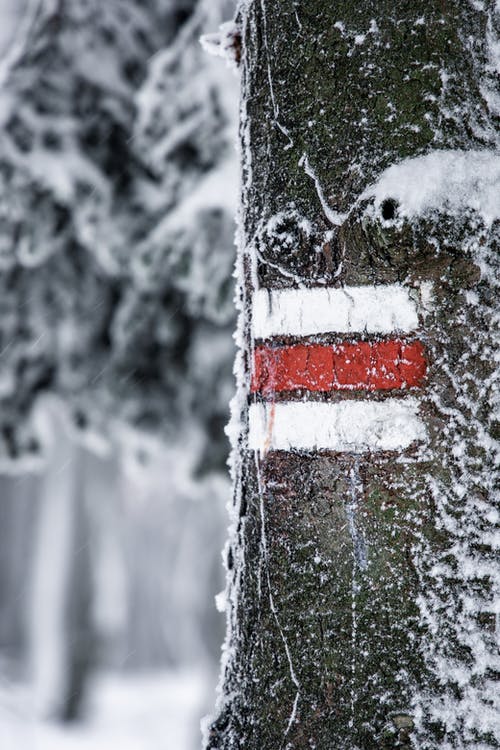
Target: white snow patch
x,y
302,312
427,295
223,43
221,601
448,181
354,426
150,711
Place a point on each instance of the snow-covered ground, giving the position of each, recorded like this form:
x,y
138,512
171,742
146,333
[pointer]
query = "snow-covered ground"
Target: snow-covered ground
x,y
155,711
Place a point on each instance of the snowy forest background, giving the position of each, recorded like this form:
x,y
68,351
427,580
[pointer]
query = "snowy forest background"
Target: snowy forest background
x,y
118,185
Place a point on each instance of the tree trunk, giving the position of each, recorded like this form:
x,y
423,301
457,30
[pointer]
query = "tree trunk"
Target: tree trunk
x,y
18,519
62,638
363,564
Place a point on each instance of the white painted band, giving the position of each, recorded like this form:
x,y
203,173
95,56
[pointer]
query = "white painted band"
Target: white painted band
x,y
301,312
352,426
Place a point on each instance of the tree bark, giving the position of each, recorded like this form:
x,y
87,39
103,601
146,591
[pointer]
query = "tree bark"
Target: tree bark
x,y
363,587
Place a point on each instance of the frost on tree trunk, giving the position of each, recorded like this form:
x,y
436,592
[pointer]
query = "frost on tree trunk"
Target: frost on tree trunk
x,y
363,576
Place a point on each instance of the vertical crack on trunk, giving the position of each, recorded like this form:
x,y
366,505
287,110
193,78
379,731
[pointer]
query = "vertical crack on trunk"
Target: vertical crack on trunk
x,y
360,551
359,563
276,111
265,558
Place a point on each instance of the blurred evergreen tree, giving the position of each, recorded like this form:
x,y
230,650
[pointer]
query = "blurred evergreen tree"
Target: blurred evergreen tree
x,y
117,193
116,224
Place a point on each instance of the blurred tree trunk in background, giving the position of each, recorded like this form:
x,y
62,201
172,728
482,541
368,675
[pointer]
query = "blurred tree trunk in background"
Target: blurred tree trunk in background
x,y
62,636
364,585
19,513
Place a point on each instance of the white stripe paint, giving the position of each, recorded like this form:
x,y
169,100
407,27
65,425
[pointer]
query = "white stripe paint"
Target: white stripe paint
x,y
355,426
301,312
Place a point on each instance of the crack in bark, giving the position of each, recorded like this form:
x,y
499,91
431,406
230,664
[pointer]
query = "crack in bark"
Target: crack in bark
x,y
359,563
265,558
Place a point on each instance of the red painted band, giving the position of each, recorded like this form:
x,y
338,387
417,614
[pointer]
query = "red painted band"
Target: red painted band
x,y
372,366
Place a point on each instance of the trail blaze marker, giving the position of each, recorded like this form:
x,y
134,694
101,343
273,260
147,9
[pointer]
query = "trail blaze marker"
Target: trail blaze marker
x,y
364,365
353,426
287,365
380,309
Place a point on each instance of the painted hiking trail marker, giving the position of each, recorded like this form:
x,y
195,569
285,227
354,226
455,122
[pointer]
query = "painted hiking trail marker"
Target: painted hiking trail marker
x,y
299,367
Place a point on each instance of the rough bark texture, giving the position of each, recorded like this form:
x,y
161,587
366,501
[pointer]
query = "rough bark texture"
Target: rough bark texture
x,y
363,588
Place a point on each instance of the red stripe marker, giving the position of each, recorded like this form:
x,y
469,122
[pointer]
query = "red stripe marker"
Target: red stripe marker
x,y
393,363
382,365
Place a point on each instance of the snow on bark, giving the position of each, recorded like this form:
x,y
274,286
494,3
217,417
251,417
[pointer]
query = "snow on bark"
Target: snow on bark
x,y
452,182
225,43
328,646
